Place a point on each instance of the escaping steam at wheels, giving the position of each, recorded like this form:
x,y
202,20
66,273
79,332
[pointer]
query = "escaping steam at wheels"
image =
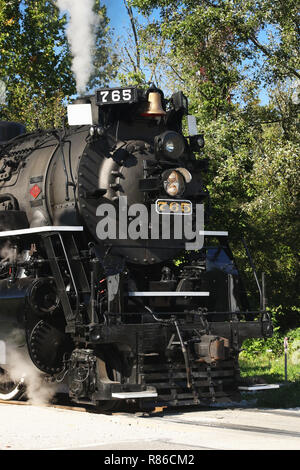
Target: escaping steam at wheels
x,y
92,218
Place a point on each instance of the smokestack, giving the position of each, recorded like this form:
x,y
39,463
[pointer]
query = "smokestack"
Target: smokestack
x,y
81,37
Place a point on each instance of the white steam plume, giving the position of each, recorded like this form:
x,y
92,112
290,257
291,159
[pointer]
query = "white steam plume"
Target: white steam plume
x,y
81,37
19,366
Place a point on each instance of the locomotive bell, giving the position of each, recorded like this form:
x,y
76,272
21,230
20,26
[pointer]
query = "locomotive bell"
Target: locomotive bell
x,y
154,106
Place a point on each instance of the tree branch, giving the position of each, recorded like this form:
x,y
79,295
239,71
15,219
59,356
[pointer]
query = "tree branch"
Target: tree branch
x,y
130,58
176,73
136,40
269,53
153,69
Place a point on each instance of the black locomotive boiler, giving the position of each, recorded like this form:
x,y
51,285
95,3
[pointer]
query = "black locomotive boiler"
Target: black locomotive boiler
x,y
117,317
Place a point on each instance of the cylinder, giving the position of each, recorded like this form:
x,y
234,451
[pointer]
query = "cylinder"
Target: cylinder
x,y
16,296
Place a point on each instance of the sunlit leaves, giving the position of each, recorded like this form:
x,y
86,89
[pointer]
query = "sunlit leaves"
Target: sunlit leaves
x,y
35,61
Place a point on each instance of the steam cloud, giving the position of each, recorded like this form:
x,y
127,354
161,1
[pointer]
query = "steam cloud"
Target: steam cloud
x,y
81,37
20,367
8,254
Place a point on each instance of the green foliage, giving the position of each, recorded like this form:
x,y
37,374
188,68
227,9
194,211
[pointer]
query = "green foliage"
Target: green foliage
x,y
229,30
294,335
265,363
142,54
266,370
35,61
266,367
294,346
105,59
221,53
254,347
272,347
133,78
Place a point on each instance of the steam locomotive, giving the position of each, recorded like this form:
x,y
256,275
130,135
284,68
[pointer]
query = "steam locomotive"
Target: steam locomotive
x,y
91,302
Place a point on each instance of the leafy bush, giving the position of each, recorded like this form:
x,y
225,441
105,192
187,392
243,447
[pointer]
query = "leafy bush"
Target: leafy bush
x,y
293,335
253,347
294,345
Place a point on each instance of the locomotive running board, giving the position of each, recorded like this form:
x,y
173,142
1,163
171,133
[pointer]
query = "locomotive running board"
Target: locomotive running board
x,y
167,293
125,395
28,231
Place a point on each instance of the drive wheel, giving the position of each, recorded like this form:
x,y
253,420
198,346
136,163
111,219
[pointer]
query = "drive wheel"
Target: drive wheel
x,y
9,389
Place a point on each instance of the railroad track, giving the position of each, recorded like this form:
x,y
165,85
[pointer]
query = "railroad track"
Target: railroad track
x,y
234,427
159,410
26,403
82,409
276,412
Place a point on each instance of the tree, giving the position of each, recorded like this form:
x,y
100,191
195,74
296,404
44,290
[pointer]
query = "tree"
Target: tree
x,y
223,41
142,54
223,52
35,61
35,65
105,58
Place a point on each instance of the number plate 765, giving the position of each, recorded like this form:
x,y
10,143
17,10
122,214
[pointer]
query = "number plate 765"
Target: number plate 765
x,y
173,206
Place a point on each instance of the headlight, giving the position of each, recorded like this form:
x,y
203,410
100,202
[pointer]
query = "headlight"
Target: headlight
x,y
169,145
174,183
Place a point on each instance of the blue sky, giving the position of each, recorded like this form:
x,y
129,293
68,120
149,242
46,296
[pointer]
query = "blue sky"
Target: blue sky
x,y
117,14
